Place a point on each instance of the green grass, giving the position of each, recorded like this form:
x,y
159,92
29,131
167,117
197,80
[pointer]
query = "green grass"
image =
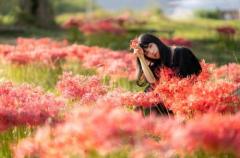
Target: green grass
x,y
12,136
202,154
38,75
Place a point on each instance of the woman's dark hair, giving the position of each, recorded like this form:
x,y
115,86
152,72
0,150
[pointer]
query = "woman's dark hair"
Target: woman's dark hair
x,y
164,51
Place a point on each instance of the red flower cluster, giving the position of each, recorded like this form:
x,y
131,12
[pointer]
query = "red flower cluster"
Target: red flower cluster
x,y
107,62
114,25
141,99
229,72
187,97
42,50
103,129
90,90
5,49
226,31
206,111
201,94
134,43
106,129
72,23
177,41
26,105
103,26
213,133
99,26
86,89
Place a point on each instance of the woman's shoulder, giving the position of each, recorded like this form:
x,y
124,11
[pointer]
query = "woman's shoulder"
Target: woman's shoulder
x,y
182,49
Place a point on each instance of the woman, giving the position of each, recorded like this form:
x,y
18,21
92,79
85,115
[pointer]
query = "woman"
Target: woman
x,y
152,55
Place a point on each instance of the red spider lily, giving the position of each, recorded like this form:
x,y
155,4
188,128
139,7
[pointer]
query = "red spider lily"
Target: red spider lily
x,y
104,129
177,41
134,43
72,22
30,43
91,90
86,89
141,99
113,25
49,52
193,95
107,62
26,105
102,26
230,72
28,51
186,97
226,30
6,49
213,133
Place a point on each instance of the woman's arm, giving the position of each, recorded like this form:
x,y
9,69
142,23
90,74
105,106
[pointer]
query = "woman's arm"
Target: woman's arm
x,y
146,70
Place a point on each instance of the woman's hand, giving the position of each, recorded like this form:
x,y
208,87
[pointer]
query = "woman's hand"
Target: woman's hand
x,y
138,52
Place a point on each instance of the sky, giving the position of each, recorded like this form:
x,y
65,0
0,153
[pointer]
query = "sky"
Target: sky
x,y
170,7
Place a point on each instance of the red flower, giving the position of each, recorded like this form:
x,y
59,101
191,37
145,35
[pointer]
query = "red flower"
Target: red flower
x,y
86,89
213,133
134,43
102,26
72,22
226,30
104,129
201,94
177,41
115,64
26,105
29,50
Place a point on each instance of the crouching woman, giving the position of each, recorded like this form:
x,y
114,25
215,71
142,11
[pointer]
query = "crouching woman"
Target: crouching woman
x,y
152,55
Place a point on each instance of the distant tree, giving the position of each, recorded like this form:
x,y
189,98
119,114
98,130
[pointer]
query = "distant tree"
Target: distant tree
x,y
36,12
69,6
211,14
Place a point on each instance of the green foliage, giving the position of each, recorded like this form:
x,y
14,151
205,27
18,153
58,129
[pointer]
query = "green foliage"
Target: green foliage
x,y
70,6
42,75
8,10
10,137
211,14
76,67
35,74
8,6
74,35
127,84
117,154
106,40
203,154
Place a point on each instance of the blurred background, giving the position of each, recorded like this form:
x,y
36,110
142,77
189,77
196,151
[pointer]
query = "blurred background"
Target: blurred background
x,y
209,27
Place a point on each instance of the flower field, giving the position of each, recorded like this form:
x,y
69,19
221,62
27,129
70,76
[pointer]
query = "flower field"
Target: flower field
x,y
68,100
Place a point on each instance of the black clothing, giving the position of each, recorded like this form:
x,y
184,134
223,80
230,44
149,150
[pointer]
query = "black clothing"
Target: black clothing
x,y
185,62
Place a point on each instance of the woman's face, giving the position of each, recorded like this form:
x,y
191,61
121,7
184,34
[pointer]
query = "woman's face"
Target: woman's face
x,y
152,51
